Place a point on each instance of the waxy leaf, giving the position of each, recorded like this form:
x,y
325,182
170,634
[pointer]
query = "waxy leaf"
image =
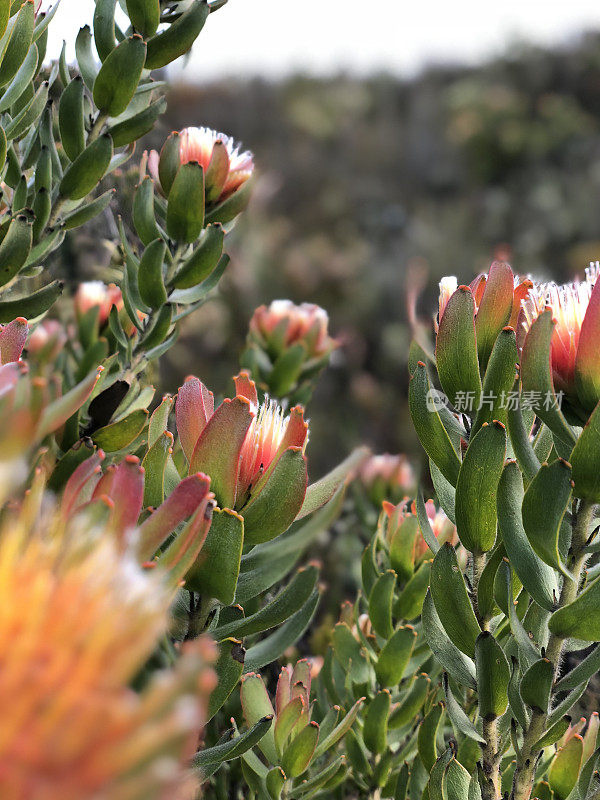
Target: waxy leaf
x,y
587,377
565,767
494,310
234,748
585,460
375,726
410,601
393,659
544,506
537,577
458,665
456,349
185,210
299,752
476,488
380,604
119,435
229,668
411,704
452,602
581,618
88,169
536,685
536,376
256,704
429,427
457,716
215,574
498,381
427,736
493,674
177,39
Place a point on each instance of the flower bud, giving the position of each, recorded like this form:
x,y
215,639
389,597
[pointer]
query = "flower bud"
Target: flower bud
x,y
47,340
288,345
388,477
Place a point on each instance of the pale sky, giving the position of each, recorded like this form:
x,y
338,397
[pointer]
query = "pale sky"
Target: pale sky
x,y
275,37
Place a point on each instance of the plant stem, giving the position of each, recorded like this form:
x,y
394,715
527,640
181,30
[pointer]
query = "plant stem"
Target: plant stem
x,y
526,764
491,761
97,127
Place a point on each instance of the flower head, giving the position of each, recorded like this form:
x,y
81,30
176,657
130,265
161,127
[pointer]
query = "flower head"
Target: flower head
x,y
249,452
79,620
284,324
574,338
388,477
95,294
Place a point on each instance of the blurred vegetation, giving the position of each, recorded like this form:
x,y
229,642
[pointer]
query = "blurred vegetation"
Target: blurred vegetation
x,y
367,185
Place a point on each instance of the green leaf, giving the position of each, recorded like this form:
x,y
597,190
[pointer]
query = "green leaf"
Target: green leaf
x,y
88,169
15,247
234,748
459,719
143,212
544,506
85,56
476,516
321,492
520,440
216,572
203,260
119,76
118,435
498,381
144,15
299,752
536,376
424,525
458,665
331,739
135,127
393,659
150,275
584,460
31,305
176,40
290,600
274,646
452,602
104,27
185,209
154,464
565,767
88,211
494,310
581,618
21,81
19,43
410,601
536,685
552,735
427,422
581,673
287,719
537,577
493,674
380,604
402,546
350,653
411,704
274,507
427,735
375,726
256,705
456,349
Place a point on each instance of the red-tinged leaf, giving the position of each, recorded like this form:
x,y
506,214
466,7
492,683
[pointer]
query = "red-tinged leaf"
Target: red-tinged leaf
x,y
183,501
273,508
159,420
123,484
182,553
80,486
245,387
216,572
456,349
12,340
587,361
217,452
585,460
565,768
299,752
286,720
494,310
58,412
9,376
536,376
193,409
283,694
321,492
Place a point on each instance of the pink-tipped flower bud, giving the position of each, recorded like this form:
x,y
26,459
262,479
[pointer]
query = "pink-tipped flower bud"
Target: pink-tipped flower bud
x,y
47,340
95,294
388,477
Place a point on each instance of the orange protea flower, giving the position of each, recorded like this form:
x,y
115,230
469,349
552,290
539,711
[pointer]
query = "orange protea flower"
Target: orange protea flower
x,y
79,621
575,309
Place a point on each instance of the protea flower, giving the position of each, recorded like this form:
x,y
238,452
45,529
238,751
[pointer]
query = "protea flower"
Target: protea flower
x,y
79,621
288,345
227,168
388,477
575,310
253,455
95,294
